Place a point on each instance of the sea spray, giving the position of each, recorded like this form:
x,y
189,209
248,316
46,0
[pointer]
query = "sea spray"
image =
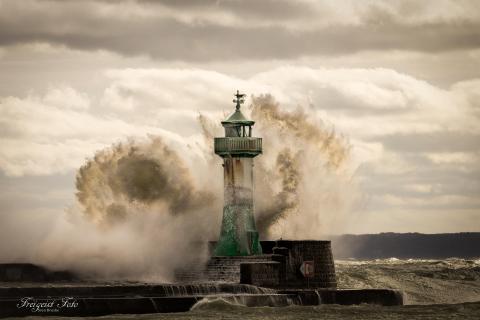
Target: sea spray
x,y
125,178
302,128
154,205
303,181
285,201
142,212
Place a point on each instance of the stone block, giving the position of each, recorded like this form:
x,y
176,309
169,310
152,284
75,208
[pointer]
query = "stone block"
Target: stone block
x,y
263,274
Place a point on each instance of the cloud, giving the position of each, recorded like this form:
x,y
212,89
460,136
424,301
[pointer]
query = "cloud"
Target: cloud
x,y
398,108
232,30
66,97
410,139
53,133
443,141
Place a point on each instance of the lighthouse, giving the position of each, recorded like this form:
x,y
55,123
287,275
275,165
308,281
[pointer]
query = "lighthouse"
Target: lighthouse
x,y
238,236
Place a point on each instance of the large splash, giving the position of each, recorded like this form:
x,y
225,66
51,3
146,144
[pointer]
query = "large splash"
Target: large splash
x,y
305,167
143,212
135,176
147,196
298,126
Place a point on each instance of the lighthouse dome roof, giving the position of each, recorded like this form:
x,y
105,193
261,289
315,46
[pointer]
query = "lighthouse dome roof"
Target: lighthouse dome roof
x,y
238,118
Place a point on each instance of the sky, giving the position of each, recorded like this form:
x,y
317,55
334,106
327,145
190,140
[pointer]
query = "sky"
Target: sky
x,y
399,79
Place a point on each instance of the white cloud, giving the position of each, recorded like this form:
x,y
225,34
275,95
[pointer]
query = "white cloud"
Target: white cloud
x,y
66,97
458,158
410,139
55,132
362,103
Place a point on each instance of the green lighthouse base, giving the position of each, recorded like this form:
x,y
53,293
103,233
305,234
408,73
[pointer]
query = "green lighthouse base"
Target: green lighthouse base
x,y
238,236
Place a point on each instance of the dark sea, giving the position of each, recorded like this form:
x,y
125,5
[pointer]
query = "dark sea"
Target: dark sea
x,y
433,289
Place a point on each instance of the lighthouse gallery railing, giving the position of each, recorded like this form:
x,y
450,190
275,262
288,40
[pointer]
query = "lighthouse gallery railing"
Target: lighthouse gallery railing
x,y
238,145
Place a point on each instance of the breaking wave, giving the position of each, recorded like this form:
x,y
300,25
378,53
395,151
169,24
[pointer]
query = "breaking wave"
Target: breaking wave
x,y
423,281
161,195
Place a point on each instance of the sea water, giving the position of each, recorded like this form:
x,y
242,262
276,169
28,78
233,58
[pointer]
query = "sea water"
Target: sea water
x,y
434,289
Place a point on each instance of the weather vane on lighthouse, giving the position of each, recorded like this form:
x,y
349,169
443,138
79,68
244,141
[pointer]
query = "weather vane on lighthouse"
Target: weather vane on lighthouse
x,y
238,236
240,98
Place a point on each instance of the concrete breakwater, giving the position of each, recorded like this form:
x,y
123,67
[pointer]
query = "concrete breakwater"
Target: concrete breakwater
x,y
287,273
70,299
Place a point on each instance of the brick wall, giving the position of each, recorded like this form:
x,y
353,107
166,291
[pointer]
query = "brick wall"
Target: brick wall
x,y
265,274
287,257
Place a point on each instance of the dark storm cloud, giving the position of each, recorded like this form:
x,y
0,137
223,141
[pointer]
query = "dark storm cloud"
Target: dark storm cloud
x,y
230,30
273,9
